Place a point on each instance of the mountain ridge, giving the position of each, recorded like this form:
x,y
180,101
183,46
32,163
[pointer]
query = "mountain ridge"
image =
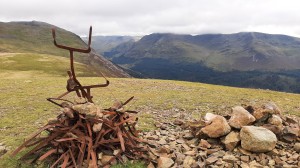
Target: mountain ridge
x,y
251,56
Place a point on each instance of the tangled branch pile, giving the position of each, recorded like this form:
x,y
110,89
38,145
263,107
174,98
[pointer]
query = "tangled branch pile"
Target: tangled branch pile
x,y
85,135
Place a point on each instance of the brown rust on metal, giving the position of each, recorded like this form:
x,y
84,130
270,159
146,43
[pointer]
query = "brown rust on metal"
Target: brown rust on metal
x,y
76,136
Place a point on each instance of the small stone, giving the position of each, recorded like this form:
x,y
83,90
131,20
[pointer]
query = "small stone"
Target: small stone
x,y
231,140
97,127
186,147
271,162
162,142
116,152
290,134
105,158
297,147
178,122
244,152
240,117
255,164
219,154
188,136
190,153
219,162
257,139
179,158
204,144
210,151
275,120
68,112
164,162
229,158
188,162
211,160
244,165
164,149
180,141
164,132
277,130
245,158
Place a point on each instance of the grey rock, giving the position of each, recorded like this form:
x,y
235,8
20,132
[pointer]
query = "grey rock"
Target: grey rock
x,y
257,139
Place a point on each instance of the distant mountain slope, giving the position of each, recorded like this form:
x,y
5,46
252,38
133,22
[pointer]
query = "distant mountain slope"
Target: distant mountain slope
x,y
103,44
35,37
242,59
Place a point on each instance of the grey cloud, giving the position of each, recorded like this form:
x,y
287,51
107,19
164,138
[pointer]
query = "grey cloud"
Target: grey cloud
x,y
139,17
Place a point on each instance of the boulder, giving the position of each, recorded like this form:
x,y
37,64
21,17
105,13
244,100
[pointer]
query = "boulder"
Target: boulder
x,y
164,162
257,139
265,111
217,128
240,117
231,140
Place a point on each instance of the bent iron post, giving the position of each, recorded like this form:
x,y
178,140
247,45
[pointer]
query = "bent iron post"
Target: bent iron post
x,y
73,84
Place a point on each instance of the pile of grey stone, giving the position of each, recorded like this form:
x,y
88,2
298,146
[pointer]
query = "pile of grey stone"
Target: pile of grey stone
x,y
250,136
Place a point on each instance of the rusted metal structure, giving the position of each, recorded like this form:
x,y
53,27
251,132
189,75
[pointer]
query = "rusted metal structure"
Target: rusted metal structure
x,y
83,132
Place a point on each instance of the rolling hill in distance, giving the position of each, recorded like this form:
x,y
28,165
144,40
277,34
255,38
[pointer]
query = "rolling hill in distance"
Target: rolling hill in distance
x,y
247,59
103,44
34,40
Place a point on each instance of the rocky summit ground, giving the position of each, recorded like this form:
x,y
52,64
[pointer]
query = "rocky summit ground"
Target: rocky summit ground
x,y
173,144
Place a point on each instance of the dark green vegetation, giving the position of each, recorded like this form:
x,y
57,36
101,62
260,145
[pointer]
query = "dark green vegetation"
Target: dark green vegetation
x,y
244,59
36,38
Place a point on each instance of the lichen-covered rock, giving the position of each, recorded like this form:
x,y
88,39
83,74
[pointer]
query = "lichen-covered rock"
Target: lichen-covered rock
x,y
257,139
240,117
218,127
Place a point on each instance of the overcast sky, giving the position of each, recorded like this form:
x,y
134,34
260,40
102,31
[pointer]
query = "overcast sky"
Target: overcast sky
x,y
141,17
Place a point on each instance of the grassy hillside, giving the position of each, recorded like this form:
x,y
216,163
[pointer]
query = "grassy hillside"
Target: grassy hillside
x,y
36,37
24,107
22,65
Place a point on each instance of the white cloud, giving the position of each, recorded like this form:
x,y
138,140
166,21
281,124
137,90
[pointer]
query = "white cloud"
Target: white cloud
x,y
139,17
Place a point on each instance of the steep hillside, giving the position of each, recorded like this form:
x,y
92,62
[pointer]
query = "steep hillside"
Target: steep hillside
x,y
35,37
102,44
242,59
